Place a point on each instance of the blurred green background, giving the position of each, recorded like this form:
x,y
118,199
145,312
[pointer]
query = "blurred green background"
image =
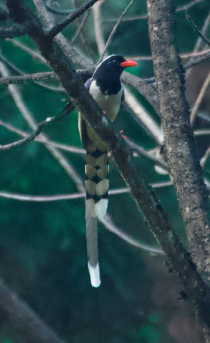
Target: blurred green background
x,y
42,245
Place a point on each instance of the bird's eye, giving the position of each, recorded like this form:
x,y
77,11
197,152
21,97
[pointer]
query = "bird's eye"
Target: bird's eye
x,y
114,61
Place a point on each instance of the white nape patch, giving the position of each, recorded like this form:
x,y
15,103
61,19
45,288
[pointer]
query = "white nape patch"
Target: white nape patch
x,y
101,208
94,275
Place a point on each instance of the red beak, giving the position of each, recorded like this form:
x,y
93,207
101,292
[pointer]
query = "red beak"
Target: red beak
x,y
128,63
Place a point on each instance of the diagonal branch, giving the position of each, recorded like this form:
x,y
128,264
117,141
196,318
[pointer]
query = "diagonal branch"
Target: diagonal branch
x,y
114,30
70,18
39,129
196,28
59,12
24,319
15,30
199,99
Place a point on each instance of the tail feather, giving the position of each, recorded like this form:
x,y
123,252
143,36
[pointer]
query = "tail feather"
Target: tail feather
x,y
92,250
94,275
97,185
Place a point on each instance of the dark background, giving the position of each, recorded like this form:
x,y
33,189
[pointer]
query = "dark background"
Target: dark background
x,y
42,245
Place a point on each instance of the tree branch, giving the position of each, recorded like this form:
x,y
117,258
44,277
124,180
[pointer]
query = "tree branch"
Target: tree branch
x,y
140,17
199,99
27,78
59,12
15,30
114,30
39,129
41,84
24,319
187,66
71,17
65,164
196,28
180,148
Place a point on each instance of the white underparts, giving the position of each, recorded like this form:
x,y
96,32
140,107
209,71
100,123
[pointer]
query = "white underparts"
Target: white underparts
x,y
94,275
110,104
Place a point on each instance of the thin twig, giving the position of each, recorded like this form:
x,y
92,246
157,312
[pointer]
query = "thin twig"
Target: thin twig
x,y
137,17
107,221
195,62
187,66
199,99
41,84
31,122
144,116
23,318
27,78
98,27
199,42
196,28
33,53
39,129
140,17
114,30
59,12
201,132
143,152
73,196
194,53
64,147
37,77
182,55
204,30
205,157
187,7
15,30
80,27
70,18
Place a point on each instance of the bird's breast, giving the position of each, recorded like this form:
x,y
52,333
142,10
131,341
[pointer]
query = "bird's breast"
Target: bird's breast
x,y
109,103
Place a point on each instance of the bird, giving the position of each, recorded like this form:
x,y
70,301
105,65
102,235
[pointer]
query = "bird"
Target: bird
x,y
107,90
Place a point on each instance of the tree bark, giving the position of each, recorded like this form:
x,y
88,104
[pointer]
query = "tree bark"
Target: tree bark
x,y
180,148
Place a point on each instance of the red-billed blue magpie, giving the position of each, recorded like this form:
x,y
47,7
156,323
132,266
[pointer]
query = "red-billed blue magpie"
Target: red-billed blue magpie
x,y
107,90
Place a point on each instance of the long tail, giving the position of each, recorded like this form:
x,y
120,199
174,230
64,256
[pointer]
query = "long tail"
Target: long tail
x,y
97,185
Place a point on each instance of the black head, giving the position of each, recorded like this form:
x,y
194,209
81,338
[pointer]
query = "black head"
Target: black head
x,y
107,74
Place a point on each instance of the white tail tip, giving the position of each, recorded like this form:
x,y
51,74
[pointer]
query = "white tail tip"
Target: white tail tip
x,y
94,275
